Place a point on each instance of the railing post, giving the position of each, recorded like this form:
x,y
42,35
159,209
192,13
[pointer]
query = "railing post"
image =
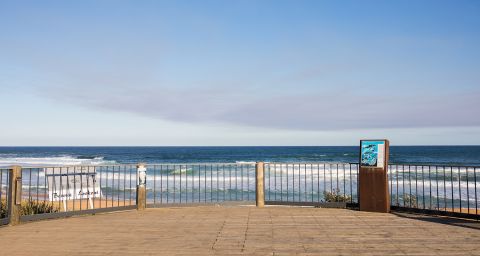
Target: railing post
x,y
141,186
260,187
15,195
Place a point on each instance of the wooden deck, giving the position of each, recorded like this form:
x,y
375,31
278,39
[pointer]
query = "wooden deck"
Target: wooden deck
x,y
243,230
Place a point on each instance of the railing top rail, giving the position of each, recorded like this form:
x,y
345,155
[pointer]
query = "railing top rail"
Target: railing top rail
x,y
122,165
433,165
204,163
72,166
315,163
3,168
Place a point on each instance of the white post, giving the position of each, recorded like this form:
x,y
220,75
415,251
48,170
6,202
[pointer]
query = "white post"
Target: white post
x,y
141,186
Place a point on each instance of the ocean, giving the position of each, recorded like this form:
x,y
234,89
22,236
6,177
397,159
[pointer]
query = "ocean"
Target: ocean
x,y
54,156
427,172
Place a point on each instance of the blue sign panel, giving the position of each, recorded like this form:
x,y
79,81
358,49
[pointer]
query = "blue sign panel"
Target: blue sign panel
x,y
372,153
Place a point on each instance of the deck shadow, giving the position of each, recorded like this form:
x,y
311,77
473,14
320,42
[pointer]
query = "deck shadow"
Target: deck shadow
x,y
446,220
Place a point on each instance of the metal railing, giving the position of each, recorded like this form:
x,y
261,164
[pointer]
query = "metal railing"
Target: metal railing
x,y
200,183
320,184
63,191
4,187
49,192
446,190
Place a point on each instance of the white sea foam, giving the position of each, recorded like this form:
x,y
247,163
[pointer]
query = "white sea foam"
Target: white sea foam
x,y
51,161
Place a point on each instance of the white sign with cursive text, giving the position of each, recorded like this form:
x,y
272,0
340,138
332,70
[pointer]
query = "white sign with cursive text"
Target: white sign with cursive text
x,y
68,183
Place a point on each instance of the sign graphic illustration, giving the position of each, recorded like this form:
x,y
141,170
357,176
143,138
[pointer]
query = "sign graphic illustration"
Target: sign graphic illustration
x,y
372,154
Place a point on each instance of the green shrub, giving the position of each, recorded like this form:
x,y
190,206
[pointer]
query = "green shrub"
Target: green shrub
x,y
410,200
3,208
31,207
335,196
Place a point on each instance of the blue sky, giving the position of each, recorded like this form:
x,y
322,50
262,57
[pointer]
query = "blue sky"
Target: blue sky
x,y
239,72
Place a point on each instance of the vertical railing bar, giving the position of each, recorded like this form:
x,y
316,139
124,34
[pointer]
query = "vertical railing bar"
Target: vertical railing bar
x,y
445,188
230,183
312,179
324,178
223,183
95,186
61,186
331,177
113,186
130,183
211,183
468,192
357,170
38,186
186,183
205,182
174,184
192,186
416,186
423,186
88,185
344,185
269,181
274,181
293,181
114,171
330,174
241,182
100,186
306,187
338,187
438,195
299,182
167,174
288,177
430,185
82,173
154,184
124,185
106,180
180,188
305,182
1,187
118,186
460,187
112,195
199,183
161,182
475,180
318,182
193,183
403,185
136,177
397,173
104,186
451,186
30,184
390,182
218,180
281,183
112,202
351,188
409,186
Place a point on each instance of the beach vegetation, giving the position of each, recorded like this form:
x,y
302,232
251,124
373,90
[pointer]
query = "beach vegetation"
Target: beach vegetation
x,y
3,208
32,207
335,196
410,200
